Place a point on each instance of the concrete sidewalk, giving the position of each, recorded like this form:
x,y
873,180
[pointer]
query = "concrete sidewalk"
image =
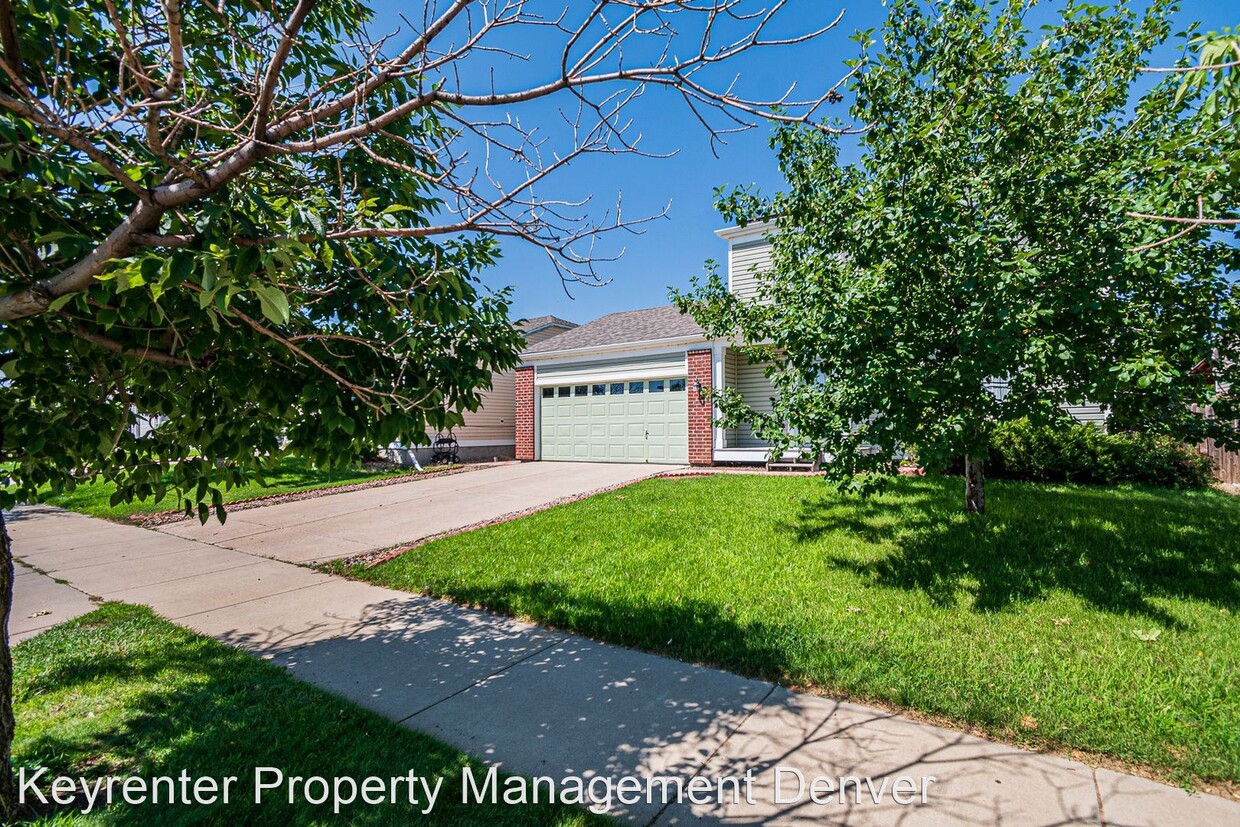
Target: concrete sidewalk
x,y
342,525
538,702
39,602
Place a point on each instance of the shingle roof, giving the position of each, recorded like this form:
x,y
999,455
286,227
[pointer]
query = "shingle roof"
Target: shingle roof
x,y
538,322
631,326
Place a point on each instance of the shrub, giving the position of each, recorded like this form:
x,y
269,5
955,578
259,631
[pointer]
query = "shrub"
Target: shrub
x,y
1020,450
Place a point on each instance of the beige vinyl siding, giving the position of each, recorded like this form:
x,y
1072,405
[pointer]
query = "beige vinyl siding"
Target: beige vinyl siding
x,y
495,421
1088,414
749,379
747,259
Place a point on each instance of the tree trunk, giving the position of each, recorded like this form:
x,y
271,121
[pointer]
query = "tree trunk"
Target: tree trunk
x,y
8,787
974,485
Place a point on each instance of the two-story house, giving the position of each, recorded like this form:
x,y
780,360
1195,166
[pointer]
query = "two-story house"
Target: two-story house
x,y
635,386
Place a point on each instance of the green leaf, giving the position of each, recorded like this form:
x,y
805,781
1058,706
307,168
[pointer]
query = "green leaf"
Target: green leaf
x,y
274,303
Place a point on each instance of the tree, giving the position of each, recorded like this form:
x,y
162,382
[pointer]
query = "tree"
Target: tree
x,y
983,240
1209,168
263,225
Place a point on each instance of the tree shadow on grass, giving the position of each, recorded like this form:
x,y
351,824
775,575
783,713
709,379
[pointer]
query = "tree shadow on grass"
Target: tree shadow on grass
x,y
167,700
1116,550
691,630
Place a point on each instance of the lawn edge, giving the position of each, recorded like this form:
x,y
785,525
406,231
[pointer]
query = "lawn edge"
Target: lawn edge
x,y
370,559
355,568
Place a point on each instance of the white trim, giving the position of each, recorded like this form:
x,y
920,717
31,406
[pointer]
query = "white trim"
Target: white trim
x,y
754,229
651,347
758,455
613,370
718,362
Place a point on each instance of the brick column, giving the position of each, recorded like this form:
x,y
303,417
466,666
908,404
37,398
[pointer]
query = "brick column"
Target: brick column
x,y
525,414
701,425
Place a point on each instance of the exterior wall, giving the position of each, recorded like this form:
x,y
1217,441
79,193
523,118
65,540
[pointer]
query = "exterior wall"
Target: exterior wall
x,y
493,426
749,379
746,259
524,404
701,430
494,422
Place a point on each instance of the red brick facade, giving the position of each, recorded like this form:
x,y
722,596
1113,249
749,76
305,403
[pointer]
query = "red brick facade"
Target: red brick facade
x,y
701,432
525,414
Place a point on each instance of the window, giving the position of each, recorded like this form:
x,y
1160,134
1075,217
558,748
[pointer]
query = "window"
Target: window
x,y
656,385
617,388
563,392
676,385
598,390
548,393
581,390
637,387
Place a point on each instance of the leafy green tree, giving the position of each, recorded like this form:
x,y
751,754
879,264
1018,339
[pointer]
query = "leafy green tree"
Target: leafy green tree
x,y
260,225
977,264
1207,157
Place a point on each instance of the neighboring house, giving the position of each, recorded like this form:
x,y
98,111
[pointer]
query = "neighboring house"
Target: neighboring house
x,y
490,432
634,386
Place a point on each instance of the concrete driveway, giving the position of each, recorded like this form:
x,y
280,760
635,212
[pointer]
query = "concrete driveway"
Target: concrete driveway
x,y
342,525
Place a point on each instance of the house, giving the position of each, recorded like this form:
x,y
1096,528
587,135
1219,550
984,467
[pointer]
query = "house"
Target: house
x,y
490,432
635,386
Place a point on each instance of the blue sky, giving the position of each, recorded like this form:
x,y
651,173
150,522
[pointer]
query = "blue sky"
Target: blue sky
x,y
673,250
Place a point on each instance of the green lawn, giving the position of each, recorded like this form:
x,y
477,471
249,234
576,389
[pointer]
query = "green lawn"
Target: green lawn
x,y
1069,617
121,691
292,474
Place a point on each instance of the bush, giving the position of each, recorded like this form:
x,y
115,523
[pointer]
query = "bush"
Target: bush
x,y
1020,450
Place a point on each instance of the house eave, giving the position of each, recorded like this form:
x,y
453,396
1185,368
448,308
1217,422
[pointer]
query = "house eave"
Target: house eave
x,y
754,229
621,347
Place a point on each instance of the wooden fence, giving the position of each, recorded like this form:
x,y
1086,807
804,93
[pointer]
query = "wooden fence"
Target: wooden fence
x,y
1226,463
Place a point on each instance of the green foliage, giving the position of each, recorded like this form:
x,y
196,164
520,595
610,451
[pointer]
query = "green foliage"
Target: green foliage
x,y
257,334
984,235
903,599
1020,450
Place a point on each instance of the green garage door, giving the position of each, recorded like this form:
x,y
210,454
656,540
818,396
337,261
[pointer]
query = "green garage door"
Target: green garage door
x,y
646,421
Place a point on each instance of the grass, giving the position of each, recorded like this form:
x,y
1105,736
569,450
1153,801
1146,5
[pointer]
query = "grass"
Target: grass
x,y
290,475
1069,617
121,691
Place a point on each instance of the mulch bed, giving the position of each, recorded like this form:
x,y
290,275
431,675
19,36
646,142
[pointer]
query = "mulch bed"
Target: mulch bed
x,y
176,516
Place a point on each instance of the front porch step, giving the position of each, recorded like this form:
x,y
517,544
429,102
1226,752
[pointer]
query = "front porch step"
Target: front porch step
x,y
796,465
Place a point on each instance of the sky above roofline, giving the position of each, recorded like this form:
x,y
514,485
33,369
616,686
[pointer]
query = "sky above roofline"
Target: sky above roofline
x,y
673,250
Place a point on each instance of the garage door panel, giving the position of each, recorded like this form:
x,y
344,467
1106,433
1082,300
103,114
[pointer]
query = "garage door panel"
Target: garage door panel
x,y
626,427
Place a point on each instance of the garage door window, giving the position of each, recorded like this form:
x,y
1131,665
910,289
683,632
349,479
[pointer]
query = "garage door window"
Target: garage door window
x,y
617,388
563,392
598,390
676,385
581,390
637,387
548,393
656,386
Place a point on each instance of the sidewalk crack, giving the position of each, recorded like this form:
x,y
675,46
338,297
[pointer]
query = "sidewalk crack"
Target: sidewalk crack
x,y
706,761
560,639
1102,819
